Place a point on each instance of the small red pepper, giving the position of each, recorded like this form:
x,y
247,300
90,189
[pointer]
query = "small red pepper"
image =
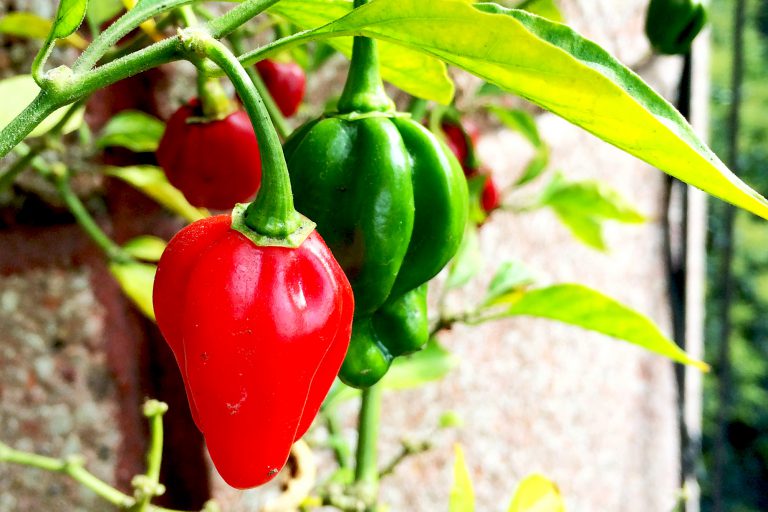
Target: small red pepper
x,y
286,82
259,333
458,137
490,199
215,163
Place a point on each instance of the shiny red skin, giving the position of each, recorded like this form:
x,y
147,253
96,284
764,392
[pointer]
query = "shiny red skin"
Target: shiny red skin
x,y
259,334
490,199
214,163
286,82
457,142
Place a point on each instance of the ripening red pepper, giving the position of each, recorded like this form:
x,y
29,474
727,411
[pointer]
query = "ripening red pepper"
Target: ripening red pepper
x,y
215,163
461,140
286,83
259,333
490,199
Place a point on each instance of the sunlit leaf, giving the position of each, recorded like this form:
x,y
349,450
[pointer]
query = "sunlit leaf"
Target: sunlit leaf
x,y
133,130
554,67
462,497
101,11
68,17
545,8
136,280
32,26
411,71
431,363
519,121
468,260
583,206
152,182
17,92
536,493
511,277
145,247
584,307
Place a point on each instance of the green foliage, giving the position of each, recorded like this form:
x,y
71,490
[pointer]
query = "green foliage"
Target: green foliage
x,y
17,91
462,493
69,17
536,493
133,130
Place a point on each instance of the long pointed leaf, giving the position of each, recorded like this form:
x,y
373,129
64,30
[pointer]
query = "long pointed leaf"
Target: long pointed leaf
x,y
554,67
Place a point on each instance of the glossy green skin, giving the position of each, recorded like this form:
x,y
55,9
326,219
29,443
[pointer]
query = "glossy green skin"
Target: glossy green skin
x,y
390,201
672,25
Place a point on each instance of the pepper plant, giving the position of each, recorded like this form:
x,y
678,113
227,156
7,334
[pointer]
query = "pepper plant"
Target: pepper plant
x,y
243,295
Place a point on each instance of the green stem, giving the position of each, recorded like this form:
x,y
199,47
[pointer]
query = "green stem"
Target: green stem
x,y
72,468
38,65
148,485
418,108
113,251
340,447
228,22
364,90
283,130
272,213
187,15
27,155
366,468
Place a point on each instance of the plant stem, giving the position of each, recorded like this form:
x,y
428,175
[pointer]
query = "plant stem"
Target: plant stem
x,y
364,90
340,447
27,155
228,22
366,468
113,251
283,130
149,486
72,468
272,213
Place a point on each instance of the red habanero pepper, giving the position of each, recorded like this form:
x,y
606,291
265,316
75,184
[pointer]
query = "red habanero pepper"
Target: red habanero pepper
x,y
259,333
461,140
490,199
214,162
285,81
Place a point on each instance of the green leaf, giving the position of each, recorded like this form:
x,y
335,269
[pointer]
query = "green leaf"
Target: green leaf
x,y
101,11
519,121
136,280
431,363
151,181
554,67
17,92
584,307
414,72
535,167
145,247
462,497
536,493
69,17
32,26
450,419
468,260
512,278
133,130
489,89
545,8
475,185
583,206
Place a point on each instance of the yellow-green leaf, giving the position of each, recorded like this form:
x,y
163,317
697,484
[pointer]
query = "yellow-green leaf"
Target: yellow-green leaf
x,y
136,280
151,180
462,494
536,493
554,67
145,247
32,26
545,8
584,307
69,17
414,72
17,92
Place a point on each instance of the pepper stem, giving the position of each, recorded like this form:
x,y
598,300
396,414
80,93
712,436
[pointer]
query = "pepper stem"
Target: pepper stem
x,y
272,214
364,90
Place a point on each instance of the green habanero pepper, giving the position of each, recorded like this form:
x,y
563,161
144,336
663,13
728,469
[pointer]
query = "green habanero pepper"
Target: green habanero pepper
x,y
390,201
672,25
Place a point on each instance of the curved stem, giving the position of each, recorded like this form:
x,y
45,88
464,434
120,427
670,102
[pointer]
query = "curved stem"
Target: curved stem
x,y
29,154
366,468
228,22
272,213
283,130
72,468
38,65
113,251
364,90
